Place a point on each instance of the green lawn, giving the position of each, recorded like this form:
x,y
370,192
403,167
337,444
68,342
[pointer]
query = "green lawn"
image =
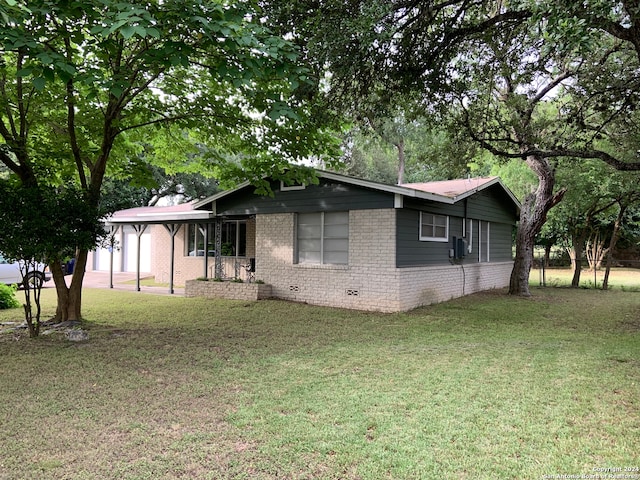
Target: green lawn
x,y
484,387
620,278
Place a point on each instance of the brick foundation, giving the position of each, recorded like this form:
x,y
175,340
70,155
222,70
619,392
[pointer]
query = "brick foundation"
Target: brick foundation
x,y
230,290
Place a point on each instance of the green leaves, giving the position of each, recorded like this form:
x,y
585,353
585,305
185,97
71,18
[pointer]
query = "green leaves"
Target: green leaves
x,y
122,66
62,221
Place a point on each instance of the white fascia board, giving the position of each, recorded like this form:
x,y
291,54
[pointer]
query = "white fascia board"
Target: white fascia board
x,y
160,217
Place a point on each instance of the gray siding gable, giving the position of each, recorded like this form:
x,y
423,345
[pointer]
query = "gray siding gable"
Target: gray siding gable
x,y
491,205
326,196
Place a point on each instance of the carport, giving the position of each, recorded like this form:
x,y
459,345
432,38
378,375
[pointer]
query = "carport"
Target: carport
x,y
172,218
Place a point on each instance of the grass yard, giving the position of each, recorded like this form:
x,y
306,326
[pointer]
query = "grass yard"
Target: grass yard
x,y
627,279
484,387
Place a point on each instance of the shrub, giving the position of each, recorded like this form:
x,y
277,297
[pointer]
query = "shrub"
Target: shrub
x,y
8,297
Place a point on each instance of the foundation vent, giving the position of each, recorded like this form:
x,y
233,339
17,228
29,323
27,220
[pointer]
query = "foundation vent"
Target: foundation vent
x,y
294,288
353,292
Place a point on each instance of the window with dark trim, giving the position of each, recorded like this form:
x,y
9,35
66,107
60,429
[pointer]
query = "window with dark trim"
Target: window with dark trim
x,y
234,239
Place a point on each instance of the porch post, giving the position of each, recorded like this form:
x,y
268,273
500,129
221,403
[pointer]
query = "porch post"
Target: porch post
x,y
218,248
173,229
139,229
206,249
113,229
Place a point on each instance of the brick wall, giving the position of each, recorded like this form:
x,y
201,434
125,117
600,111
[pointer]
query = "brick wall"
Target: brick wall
x,y
370,281
427,285
230,290
185,267
363,284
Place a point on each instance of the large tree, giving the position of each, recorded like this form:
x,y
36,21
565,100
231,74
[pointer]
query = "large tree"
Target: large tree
x,y
82,82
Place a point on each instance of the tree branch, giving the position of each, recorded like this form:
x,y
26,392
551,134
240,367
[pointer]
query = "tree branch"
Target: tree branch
x,y
71,122
552,153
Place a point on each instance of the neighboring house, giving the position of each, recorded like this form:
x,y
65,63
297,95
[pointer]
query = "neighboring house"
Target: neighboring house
x,y
345,242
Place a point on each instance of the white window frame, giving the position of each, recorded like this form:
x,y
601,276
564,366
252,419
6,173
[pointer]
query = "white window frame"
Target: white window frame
x,y
431,238
198,237
296,186
322,242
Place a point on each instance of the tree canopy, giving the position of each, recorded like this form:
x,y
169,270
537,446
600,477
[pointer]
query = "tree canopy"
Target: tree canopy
x,y
85,85
534,81
95,89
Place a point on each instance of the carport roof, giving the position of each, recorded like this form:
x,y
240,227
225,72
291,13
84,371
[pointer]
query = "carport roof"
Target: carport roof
x,y
182,213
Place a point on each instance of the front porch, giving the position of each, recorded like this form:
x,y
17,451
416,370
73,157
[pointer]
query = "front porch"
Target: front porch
x,y
186,244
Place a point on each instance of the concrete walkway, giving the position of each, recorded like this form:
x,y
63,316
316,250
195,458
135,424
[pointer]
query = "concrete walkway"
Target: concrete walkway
x,y
121,281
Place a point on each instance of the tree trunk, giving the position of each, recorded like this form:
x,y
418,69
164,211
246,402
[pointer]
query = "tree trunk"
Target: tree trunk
x,y
596,251
70,297
401,161
519,282
612,245
547,255
575,253
532,217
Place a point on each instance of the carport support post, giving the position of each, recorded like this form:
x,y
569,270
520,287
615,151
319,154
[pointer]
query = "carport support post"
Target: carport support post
x,y
139,229
113,229
173,229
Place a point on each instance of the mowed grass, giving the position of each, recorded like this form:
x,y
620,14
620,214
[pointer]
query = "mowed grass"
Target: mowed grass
x,y
627,279
484,387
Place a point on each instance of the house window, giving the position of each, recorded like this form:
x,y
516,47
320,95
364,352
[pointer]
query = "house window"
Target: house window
x,y
323,238
294,186
196,238
434,228
484,230
234,239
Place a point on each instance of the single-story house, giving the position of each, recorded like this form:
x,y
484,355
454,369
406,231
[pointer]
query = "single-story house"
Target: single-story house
x,y
345,242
